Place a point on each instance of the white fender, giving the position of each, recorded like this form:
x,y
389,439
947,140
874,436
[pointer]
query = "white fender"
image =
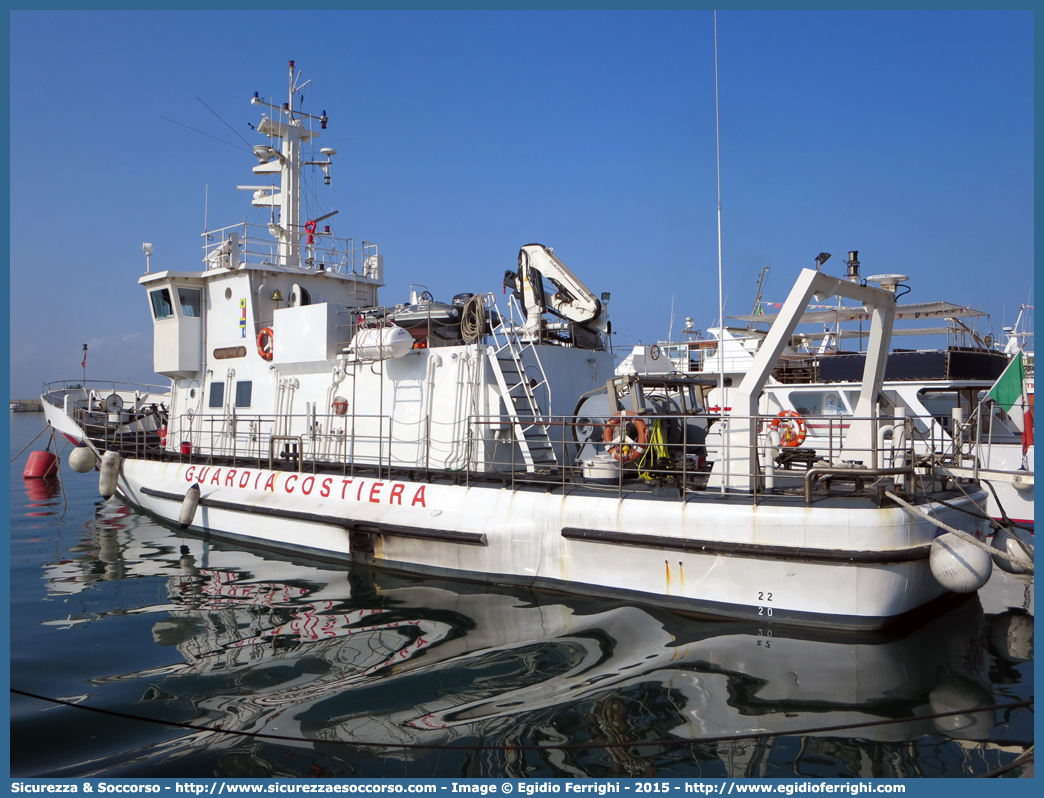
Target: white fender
x,y
1020,484
188,506
82,459
110,472
1008,541
958,565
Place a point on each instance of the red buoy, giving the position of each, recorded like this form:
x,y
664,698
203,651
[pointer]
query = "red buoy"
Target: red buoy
x,y
41,464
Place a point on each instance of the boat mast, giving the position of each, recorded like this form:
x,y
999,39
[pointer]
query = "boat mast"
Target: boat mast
x,y
290,217
757,299
290,128
721,302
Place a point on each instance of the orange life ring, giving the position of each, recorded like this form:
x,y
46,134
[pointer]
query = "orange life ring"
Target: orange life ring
x,y
265,343
794,429
627,440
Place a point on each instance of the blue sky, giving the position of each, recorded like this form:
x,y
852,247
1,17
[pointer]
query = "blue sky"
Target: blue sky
x,y
463,135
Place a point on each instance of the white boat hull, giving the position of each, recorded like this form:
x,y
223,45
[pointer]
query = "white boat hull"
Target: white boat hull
x,y
841,563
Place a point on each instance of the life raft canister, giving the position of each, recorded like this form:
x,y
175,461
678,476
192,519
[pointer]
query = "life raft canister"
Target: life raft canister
x,y
627,436
265,343
793,430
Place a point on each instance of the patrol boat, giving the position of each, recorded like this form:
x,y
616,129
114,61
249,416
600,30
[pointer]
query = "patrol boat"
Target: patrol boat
x,y
301,417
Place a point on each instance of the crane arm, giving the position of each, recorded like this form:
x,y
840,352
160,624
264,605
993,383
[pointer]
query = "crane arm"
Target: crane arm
x,y
572,299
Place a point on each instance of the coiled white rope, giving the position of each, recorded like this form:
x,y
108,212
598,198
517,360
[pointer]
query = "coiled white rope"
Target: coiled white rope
x,y
962,535
473,319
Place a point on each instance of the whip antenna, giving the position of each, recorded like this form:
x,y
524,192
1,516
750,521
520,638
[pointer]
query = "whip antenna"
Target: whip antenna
x,y
721,303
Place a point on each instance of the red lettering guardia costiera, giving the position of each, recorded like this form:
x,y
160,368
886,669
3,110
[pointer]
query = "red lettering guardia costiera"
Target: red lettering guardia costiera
x,y
241,479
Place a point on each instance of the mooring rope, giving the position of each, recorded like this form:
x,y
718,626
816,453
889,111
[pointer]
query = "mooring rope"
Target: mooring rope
x,y
533,747
962,535
1004,515
1005,521
34,440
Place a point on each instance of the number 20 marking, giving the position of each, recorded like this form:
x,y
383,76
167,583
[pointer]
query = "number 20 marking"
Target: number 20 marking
x,y
765,596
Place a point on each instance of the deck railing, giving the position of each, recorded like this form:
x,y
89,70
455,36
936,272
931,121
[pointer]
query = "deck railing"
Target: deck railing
x,y
670,455
100,388
254,244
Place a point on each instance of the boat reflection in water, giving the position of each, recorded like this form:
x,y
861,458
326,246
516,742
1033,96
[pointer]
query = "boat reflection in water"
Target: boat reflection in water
x,y
41,494
353,654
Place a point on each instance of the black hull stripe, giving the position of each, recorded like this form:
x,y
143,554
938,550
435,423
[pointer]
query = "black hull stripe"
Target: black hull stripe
x,y
746,549
372,527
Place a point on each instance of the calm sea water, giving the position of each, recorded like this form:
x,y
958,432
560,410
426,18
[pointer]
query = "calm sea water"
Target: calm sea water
x,y
111,609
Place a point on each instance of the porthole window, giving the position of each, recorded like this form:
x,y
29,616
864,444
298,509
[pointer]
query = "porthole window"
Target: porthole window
x,y
228,293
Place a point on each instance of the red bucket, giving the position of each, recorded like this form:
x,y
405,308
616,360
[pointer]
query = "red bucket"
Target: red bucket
x,y
186,448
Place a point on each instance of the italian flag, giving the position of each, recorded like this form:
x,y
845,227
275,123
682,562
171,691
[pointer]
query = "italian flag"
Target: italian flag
x,y
1007,392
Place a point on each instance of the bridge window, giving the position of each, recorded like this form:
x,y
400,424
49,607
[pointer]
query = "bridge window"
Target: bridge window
x,y
161,304
190,301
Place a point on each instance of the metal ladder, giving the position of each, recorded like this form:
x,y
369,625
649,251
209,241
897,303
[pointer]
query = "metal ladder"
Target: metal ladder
x,y
531,430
